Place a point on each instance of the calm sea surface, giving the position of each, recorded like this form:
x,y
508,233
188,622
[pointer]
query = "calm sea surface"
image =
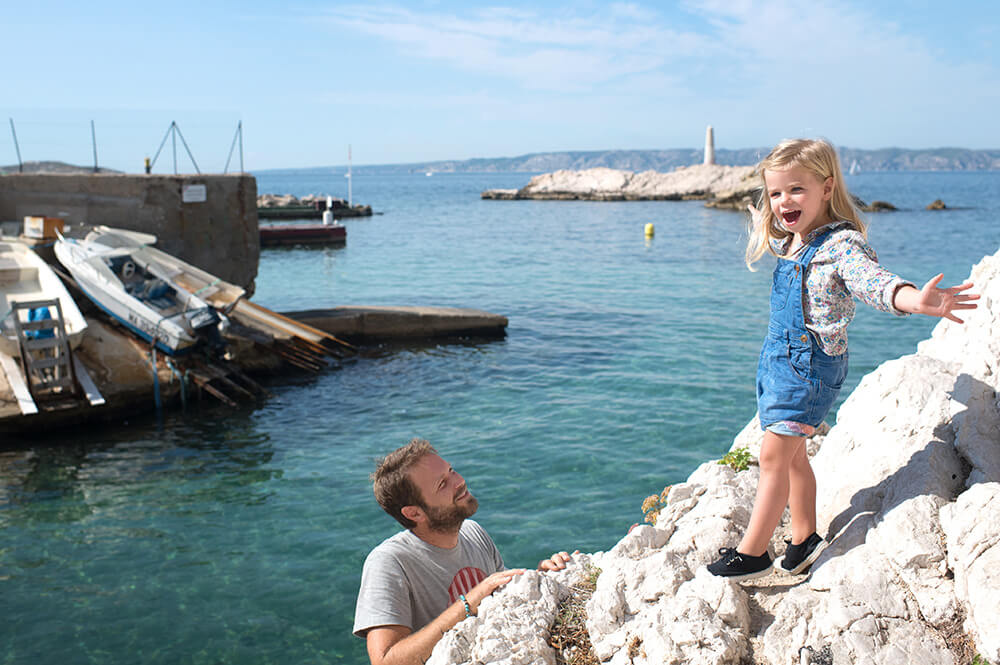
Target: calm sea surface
x,y
237,536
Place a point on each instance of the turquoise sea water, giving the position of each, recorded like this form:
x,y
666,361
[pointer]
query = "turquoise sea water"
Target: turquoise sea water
x,y
237,536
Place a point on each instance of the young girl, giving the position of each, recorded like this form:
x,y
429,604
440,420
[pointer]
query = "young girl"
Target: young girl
x,y
812,225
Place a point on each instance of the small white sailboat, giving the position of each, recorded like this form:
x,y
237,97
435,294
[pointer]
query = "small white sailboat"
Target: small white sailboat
x,y
113,268
854,169
26,278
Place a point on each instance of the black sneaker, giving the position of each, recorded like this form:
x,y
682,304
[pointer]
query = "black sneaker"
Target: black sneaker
x,y
737,567
799,557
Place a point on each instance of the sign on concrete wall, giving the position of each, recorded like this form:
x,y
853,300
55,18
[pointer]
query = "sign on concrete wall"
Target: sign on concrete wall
x,y
194,194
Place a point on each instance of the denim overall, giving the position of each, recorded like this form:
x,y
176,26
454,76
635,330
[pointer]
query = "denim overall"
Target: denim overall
x,y
796,380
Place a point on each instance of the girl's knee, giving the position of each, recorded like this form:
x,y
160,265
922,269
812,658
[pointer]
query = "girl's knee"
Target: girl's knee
x,y
777,452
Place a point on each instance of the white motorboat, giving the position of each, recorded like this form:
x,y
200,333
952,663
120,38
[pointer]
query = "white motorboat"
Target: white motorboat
x,y
117,270
26,278
177,273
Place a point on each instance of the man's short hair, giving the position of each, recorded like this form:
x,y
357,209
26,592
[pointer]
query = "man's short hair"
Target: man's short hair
x,y
391,479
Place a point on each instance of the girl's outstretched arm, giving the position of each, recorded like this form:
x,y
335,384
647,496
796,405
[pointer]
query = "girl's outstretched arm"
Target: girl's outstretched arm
x,y
933,301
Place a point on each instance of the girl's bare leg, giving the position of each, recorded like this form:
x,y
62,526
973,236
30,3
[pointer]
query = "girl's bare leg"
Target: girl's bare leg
x,y
802,495
776,454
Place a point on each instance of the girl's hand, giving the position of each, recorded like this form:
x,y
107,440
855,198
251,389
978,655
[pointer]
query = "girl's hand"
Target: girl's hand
x,y
933,301
756,215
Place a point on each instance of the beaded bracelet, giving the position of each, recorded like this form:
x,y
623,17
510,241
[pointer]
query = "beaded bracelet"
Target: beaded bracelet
x,y
468,610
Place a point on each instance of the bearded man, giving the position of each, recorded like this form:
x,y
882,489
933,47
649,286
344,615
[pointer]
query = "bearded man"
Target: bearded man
x,y
422,581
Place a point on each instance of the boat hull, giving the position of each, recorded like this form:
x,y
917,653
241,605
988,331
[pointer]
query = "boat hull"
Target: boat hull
x,y
25,277
86,263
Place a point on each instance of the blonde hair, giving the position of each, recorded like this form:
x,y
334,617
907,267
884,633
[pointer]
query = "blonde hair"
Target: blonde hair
x,y
819,157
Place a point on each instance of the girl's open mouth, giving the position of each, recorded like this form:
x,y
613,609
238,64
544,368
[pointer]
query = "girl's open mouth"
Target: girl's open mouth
x,y
791,217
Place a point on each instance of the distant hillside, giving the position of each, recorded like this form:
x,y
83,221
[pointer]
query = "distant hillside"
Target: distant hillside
x,y
53,167
885,159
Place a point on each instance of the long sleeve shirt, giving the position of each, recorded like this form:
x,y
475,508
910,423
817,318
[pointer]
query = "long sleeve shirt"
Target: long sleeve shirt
x,y
845,265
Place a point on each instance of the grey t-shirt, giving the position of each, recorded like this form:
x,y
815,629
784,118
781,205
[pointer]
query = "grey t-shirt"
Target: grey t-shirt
x,y
407,582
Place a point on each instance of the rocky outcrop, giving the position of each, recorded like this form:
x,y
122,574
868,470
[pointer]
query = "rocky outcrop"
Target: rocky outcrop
x,y
701,181
909,493
879,206
936,204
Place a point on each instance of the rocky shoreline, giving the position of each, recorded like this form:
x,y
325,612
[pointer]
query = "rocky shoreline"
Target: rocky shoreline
x,y
909,491
700,181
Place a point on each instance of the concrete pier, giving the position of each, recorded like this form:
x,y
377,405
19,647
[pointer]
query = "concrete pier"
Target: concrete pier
x,y
379,324
207,220
121,365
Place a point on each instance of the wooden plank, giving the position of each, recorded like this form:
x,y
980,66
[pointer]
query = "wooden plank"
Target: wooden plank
x,y
93,395
17,384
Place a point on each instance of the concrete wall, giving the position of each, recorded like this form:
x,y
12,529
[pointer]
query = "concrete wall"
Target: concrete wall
x,y
218,234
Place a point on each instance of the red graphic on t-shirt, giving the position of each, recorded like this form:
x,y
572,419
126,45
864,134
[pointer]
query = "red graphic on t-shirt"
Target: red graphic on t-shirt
x,y
464,580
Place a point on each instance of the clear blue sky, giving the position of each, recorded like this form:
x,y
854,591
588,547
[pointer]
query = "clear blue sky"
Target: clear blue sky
x,y
405,82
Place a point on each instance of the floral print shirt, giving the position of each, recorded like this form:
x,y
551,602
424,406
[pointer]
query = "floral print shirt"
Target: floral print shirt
x,y
844,265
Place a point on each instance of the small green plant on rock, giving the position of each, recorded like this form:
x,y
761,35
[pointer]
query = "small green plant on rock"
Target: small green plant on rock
x,y
654,503
738,459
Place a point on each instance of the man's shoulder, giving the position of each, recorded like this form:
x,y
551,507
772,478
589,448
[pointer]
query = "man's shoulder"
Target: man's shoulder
x,y
396,545
472,532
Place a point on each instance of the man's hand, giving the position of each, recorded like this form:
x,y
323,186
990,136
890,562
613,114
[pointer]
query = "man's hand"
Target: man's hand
x,y
396,645
555,562
489,585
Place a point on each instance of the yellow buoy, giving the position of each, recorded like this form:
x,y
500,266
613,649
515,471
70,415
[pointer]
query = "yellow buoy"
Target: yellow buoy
x,y
650,230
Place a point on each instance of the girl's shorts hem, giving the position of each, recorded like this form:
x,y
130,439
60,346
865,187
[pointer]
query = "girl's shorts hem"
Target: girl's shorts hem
x,y
789,428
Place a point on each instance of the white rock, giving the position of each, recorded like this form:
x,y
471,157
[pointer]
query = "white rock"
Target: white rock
x,y
909,490
512,626
972,527
695,181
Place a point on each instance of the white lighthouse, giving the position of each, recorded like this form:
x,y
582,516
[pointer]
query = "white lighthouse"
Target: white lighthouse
x,y
709,146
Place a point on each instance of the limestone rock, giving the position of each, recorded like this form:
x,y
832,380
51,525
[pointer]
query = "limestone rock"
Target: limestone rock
x,y
512,626
972,528
937,204
880,206
908,492
604,184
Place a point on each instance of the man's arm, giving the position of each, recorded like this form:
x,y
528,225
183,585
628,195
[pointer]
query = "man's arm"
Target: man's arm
x,y
397,645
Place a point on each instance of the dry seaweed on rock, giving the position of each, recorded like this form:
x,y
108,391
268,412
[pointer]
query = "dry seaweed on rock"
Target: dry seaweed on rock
x,y
570,638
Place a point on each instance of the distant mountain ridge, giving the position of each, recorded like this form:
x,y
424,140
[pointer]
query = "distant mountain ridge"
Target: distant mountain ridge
x,y
883,159
61,168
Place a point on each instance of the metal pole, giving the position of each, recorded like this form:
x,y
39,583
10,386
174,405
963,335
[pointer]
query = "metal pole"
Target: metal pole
x,y
93,138
190,156
350,200
237,135
173,142
20,166
159,150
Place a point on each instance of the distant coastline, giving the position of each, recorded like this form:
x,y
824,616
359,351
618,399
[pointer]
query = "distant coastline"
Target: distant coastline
x,y
883,159
662,161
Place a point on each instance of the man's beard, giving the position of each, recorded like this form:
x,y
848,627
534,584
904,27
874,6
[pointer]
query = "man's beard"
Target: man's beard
x,y
449,520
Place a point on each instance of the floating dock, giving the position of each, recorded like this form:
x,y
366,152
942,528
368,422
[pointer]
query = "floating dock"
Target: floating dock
x,y
312,212
131,378
272,235
381,324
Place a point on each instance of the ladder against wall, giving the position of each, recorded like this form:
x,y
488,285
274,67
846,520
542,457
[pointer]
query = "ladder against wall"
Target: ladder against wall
x,y
49,376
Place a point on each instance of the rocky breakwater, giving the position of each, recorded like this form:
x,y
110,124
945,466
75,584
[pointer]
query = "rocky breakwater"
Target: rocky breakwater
x,y
909,491
701,181
286,206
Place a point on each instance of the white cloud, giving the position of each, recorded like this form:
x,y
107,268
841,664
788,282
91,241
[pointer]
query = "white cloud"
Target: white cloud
x,y
533,50
758,70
